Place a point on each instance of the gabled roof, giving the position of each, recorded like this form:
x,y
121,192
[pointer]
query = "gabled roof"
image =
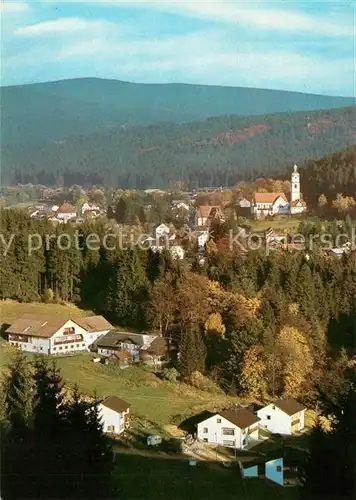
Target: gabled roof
x,y
289,406
269,197
241,417
66,208
36,325
116,404
158,347
94,323
114,339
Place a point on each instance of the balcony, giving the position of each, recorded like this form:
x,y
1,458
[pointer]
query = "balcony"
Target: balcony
x,y
68,339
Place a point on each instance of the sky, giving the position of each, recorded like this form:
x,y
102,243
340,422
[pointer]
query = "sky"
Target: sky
x,y
276,44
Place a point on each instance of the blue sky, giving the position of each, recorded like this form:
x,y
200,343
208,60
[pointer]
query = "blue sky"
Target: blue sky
x,y
281,44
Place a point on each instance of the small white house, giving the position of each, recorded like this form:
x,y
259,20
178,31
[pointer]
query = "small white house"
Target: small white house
x,y
50,335
162,230
115,415
87,207
177,252
285,416
233,428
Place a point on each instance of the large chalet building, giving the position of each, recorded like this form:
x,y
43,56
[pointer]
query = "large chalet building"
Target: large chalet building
x,y
50,335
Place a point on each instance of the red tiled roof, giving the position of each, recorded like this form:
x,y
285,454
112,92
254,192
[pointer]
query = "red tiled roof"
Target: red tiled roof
x,y
66,208
268,197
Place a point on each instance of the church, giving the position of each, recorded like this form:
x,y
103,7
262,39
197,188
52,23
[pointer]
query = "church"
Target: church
x,y
264,204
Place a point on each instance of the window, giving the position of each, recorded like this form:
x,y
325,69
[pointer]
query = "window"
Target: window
x,y
66,347
54,348
111,428
60,348
279,468
268,417
273,407
205,440
227,431
218,420
83,345
205,430
72,346
244,442
41,348
228,443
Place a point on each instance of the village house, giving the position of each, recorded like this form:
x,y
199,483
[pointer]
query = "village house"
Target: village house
x,y
122,359
285,416
115,415
200,237
162,230
124,341
156,353
265,204
205,214
243,207
234,427
66,212
180,205
87,207
50,335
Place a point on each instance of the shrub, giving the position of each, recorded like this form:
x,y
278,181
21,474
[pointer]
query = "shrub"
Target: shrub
x,y
170,374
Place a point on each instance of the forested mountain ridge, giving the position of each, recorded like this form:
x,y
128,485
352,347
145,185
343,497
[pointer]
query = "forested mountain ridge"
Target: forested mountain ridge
x,y
219,151
56,110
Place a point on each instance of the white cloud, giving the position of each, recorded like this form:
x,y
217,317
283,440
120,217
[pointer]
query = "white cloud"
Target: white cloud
x,y
62,26
254,15
13,7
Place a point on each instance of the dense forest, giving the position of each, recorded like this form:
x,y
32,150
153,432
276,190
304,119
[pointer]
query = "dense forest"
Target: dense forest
x,y
219,151
333,174
258,324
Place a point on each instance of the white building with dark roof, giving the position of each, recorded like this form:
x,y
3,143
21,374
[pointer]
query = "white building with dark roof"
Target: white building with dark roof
x,y
234,427
115,415
285,416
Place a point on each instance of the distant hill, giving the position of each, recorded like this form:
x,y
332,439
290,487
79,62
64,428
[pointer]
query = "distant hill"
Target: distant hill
x,y
58,110
218,151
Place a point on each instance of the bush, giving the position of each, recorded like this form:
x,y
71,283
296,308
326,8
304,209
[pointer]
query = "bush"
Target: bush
x,y
196,379
48,295
170,374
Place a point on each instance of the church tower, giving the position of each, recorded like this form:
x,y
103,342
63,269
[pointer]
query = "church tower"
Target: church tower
x,y
295,185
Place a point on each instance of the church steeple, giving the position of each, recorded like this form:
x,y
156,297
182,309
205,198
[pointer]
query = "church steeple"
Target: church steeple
x,y
295,185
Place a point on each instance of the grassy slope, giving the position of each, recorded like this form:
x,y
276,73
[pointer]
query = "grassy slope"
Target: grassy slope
x,y
10,310
152,399
278,223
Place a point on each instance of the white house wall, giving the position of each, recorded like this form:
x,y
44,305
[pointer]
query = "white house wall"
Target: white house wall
x,y
215,434
36,345
279,423
112,418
